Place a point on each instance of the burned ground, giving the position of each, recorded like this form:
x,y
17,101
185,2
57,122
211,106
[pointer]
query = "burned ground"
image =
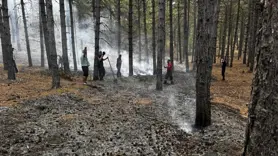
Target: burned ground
x,y
127,118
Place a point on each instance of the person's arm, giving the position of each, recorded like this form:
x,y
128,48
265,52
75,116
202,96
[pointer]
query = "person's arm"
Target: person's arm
x,y
105,59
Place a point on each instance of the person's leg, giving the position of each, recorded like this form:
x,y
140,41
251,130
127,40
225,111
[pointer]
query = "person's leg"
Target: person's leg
x,y
222,72
101,73
86,73
166,78
171,78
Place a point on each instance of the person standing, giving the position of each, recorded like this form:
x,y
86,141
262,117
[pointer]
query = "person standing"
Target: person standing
x,y
85,65
169,73
101,66
118,65
223,65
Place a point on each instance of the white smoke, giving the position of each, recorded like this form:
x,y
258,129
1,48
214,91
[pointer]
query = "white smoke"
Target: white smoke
x,y
84,37
183,115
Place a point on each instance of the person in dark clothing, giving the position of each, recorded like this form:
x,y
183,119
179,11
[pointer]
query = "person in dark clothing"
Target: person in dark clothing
x,y
224,64
169,73
118,65
101,67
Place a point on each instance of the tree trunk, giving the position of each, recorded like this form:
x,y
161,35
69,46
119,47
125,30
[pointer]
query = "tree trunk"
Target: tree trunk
x,y
188,27
52,48
261,132
97,32
164,37
229,33
145,7
17,28
204,60
185,46
41,38
235,36
130,44
119,25
72,36
64,37
7,40
154,37
194,34
246,44
254,33
3,44
224,32
179,32
220,40
161,46
26,34
139,28
214,29
45,32
241,36
94,8
171,31
251,27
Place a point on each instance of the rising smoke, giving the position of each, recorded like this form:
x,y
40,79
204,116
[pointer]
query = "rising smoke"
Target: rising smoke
x,y
84,36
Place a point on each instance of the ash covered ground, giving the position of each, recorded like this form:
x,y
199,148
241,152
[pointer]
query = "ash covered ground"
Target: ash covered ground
x,y
127,118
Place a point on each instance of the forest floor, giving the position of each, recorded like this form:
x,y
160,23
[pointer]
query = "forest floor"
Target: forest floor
x,y
124,118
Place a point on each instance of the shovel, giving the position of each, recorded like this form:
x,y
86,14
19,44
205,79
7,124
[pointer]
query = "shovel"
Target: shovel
x,y
115,80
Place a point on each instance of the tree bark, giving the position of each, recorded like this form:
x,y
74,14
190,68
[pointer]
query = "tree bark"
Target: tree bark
x,y
194,34
139,28
161,46
254,33
246,44
179,32
204,59
52,48
236,34
171,31
145,7
97,32
154,37
224,32
94,8
4,47
119,25
241,41
41,38
7,40
261,131
130,38
26,34
72,36
45,32
64,37
229,33
214,29
251,27
220,39
185,46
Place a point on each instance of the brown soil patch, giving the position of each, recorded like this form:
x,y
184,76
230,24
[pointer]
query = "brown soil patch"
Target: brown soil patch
x,y
235,90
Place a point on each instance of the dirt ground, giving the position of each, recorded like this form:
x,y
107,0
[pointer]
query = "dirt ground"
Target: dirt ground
x,y
127,118
235,91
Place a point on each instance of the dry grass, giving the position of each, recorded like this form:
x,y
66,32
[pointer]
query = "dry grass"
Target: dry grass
x,y
31,84
235,90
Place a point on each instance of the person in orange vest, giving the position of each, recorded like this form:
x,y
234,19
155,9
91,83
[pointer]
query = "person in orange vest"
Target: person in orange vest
x,y
169,73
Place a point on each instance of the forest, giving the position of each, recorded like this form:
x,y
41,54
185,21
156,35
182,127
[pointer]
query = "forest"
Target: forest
x,y
91,77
